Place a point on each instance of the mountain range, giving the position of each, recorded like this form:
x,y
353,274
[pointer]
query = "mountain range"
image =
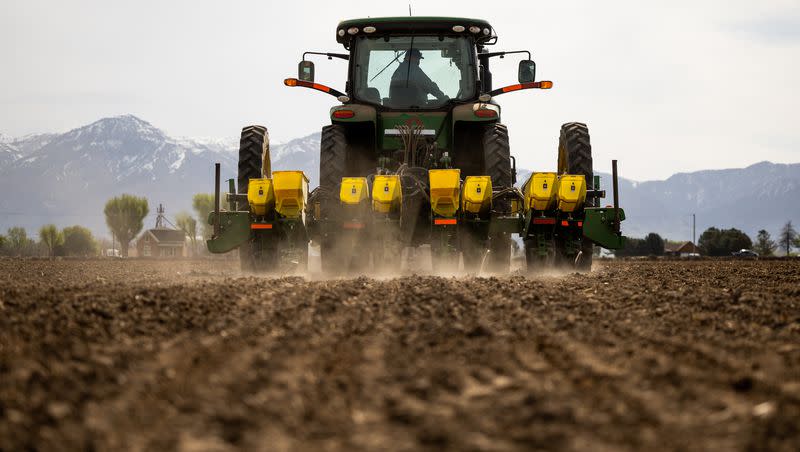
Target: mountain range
x,y
66,179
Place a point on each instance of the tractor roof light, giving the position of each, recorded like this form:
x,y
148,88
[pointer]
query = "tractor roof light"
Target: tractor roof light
x,y
343,99
458,28
352,30
340,32
369,29
486,32
474,29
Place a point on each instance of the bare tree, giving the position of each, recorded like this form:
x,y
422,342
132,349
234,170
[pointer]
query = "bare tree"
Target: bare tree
x,y
203,204
788,237
764,245
78,241
188,224
17,240
51,237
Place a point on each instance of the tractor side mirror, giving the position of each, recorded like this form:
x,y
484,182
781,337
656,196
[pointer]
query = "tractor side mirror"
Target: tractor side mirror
x,y
305,71
527,71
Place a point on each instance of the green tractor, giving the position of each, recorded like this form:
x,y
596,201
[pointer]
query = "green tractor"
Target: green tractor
x,y
416,155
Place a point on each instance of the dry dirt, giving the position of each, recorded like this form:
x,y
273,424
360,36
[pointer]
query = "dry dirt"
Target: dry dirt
x,y
138,355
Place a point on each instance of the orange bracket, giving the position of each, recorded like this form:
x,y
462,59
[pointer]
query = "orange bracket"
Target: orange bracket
x,y
544,84
316,86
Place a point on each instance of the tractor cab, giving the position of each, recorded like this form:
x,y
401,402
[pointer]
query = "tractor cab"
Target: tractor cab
x,y
416,63
413,83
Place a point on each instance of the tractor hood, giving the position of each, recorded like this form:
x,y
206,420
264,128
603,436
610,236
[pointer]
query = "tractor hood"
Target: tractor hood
x,y
348,29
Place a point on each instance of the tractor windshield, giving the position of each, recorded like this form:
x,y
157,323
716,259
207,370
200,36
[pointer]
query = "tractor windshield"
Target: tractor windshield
x,y
413,71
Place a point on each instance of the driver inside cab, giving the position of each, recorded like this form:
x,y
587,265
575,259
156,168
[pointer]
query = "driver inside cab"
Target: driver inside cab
x,y
410,86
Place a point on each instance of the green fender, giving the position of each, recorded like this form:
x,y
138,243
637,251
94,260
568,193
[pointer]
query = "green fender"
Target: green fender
x,y
466,112
598,226
362,113
234,230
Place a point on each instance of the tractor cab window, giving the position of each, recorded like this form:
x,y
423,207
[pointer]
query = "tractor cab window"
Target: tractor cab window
x,y
413,72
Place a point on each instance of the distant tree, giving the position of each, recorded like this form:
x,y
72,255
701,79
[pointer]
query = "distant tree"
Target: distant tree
x,y
17,240
651,245
764,245
633,247
51,237
3,244
722,242
124,216
203,204
78,241
709,242
788,237
735,240
654,244
188,224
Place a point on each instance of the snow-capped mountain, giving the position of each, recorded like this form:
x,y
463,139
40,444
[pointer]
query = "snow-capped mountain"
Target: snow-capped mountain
x,y
32,143
762,196
70,177
8,154
67,178
298,154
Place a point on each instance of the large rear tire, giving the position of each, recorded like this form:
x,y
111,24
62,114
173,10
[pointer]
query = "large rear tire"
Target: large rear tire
x,y
575,157
497,164
252,146
332,164
256,254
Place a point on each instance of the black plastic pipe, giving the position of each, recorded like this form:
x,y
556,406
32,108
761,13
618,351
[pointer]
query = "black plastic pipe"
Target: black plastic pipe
x,y
216,199
616,195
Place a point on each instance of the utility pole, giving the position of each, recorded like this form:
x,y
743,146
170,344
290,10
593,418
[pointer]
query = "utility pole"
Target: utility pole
x,y
693,228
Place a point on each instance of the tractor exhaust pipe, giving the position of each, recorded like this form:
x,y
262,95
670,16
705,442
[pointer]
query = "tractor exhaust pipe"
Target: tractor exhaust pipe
x,y
615,183
216,200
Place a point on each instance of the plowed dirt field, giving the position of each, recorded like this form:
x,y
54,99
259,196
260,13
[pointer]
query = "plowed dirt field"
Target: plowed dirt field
x,y
145,355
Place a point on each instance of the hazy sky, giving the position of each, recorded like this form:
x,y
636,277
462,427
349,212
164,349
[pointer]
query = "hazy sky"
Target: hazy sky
x,y
678,86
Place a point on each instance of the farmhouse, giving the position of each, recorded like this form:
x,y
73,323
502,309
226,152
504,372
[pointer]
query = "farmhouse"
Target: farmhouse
x,y
680,249
161,241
